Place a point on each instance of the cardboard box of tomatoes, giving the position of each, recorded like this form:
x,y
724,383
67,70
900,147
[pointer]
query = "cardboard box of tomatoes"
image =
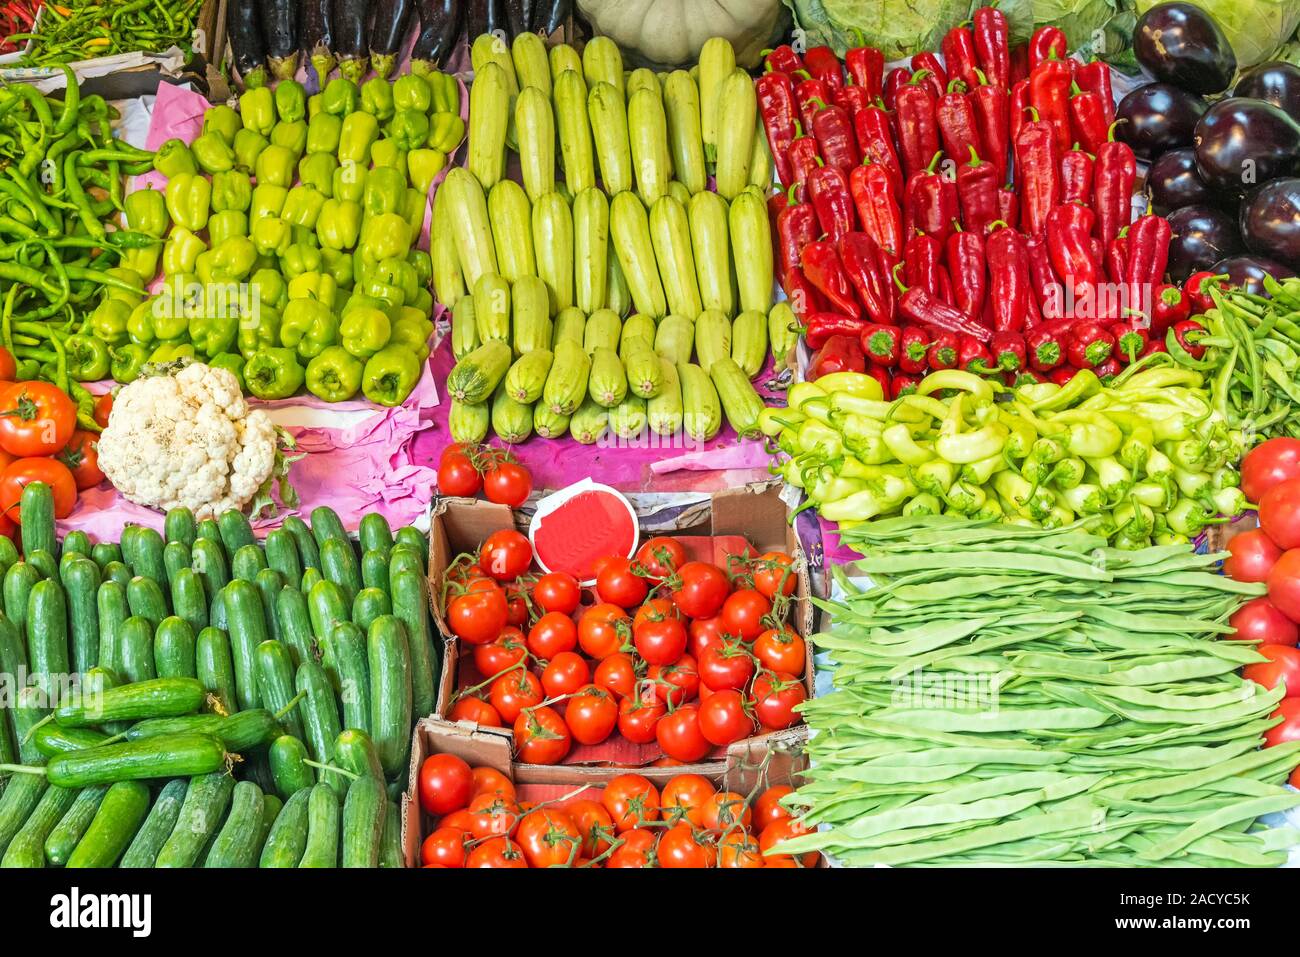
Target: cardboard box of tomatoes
x,y
732,525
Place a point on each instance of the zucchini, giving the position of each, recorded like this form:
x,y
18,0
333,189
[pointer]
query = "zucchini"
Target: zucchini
x,y
712,338
535,126
322,847
643,369
275,684
289,768
246,624
602,330
617,295
116,824
36,518
370,603
215,669
288,837
531,319
464,328
685,142
527,376
711,246
363,822
242,731
389,659
569,324
173,649
528,53
749,342
607,382
664,409
717,62
643,78
701,409
468,421
448,282
352,674
648,135
282,554
474,378
47,636
339,565
320,716
157,826
489,117
760,160
675,340
511,215
492,307
374,570
512,421
308,550
19,799
27,849
410,596
670,235
591,247
629,228
247,562
737,119
467,213
603,63
607,111
161,757
739,399
81,583
589,423
51,739
179,526
201,813
571,123
751,244
209,560
295,625
63,839
638,333
374,532
553,245
627,420
566,384
239,840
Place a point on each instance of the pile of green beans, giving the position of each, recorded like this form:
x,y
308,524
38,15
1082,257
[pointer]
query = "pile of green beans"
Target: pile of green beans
x,y
85,29
1011,696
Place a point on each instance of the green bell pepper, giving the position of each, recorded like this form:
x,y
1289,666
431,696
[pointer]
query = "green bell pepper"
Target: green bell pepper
x,y
174,159
385,236
212,153
232,363
87,357
412,92
292,136
268,287
146,212
446,130
364,330
290,100
259,330
317,170
127,361
388,153
360,130
257,110
189,199
422,263
446,92
315,105
423,167
350,182
385,191
231,189
108,321
181,252
414,205
272,235
276,166
213,329
341,97
303,205
227,224
164,316
393,280
130,277
323,131
308,326
248,146
412,331
273,373
377,98
314,285
143,261
171,351
334,375
298,259
233,259
338,265
339,224
305,236
223,121
390,375
409,129
267,202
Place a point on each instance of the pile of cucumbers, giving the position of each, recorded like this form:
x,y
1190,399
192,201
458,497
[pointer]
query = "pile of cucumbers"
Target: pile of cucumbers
x,y
539,274
198,699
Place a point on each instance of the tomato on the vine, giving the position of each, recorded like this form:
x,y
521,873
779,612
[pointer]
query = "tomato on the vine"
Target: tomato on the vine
x,y
775,696
701,588
678,847
679,735
725,666
591,714
548,837
618,674
516,605
723,719
768,809
705,632
493,815
659,557
686,796
1283,665
743,613
565,674
783,830
551,634
541,736
603,630
507,483
500,852
36,418
618,584
457,476
491,781
502,652
81,456
774,574
594,826
637,717
660,642
676,683
725,810
445,846
637,849
738,849
513,691
780,649
446,783
476,616
476,710
631,800
653,610
557,591
506,554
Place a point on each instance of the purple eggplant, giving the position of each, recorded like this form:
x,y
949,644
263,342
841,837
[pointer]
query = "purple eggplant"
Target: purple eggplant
x,y
351,18
1276,82
1270,220
439,26
1241,143
483,16
1174,182
1203,235
1180,43
247,48
518,13
280,27
550,15
1247,272
317,37
387,33
1157,118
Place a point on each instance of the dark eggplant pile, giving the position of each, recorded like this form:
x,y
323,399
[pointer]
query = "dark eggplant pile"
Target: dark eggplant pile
x,y
1225,171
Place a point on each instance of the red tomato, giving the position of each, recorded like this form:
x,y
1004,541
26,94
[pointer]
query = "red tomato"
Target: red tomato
x,y
477,616
503,652
593,824
637,849
723,719
768,809
462,820
557,591
637,717
1279,514
591,715
446,783
507,483
631,800
445,846
618,584
618,674
774,574
779,831
1284,584
738,849
1288,709
565,674
514,691
103,409
551,634
457,476
476,710
1267,464
726,666
8,367
678,848
1283,665
780,649
679,735
505,555
701,589
541,736
81,456
516,605
725,810
36,418
491,781
603,630
659,557
676,683
687,796
705,632
654,610
493,815
1260,620
661,642
743,613
499,852
549,838
1253,554
22,472
775,697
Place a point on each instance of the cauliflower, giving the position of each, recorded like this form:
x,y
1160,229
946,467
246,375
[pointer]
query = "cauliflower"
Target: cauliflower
x,y
188,439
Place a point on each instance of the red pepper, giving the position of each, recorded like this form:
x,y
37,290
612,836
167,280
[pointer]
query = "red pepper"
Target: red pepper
x,y
1062,375
821,326
912,348
1047,43
920,307
783,59
974,356
852,99
1010,291
821,264
777,108
880,344
992,47
918,127
977,192
1049,94
958,126
1069,247
1155,345
992,104
1076,176
923,264
828,189
902,383
803,155
1112,191
936,77
1017,110
942,353
1038,176
804,298
931,203
1186,334
1105,371
840,353
1169,305
1130,338
958,48
834,131
1046,345
796,227
1088,123
895,80
881,375
1094,77
872,189
965,256
1009,205
1116,257
1008,350
1148,255
1019,63
1090,344
865,269
1048,292
809,95
866,67
876,141
823,64
1198,287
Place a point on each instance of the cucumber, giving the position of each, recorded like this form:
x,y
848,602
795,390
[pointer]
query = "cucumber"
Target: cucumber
x,y
103,553
29,711
369,604
374,568
127,541
271,808
20,579
208,559
200,814
112,611
13,661
355,752
156,698
36,518
269,584
275,683
63,840
389,659
147,561
374,532
320,715
325,524
322,847
173,649
215,669
351,675
406,559
363,822
247,627
236,532
189,600
157,825
217,613
209,529
239,840
51,739
247,562
27,849
411,537
179,526
328,605
117,822
176,556
135,649
295,625
411,607
144,597
288,837
308,553
81,583
161,757
47,636
282,554
76,542
390,844
244,730
19,800
44,562
117,572
288,757
339,564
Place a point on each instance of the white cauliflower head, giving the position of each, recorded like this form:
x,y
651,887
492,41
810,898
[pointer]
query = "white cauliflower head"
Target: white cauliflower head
x,y
190,440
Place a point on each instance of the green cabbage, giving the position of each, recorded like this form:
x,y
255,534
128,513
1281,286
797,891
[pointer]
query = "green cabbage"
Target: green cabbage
x,y
1255,28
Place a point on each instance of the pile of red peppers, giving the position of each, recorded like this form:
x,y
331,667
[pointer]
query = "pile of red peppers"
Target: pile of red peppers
x,y
972,212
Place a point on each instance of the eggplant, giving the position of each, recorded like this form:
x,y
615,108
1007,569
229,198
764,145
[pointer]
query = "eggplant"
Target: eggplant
x,y
1276,82
1241,143
247,47
1180,43
350,20
1203,236
550,15
482,16
1174,182
518,13
439,27
1247,272
387,33
280,27
1157,118
1270,221
318,37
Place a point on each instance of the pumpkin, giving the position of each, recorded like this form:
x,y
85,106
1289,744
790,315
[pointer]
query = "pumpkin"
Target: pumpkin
x,y
666,33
